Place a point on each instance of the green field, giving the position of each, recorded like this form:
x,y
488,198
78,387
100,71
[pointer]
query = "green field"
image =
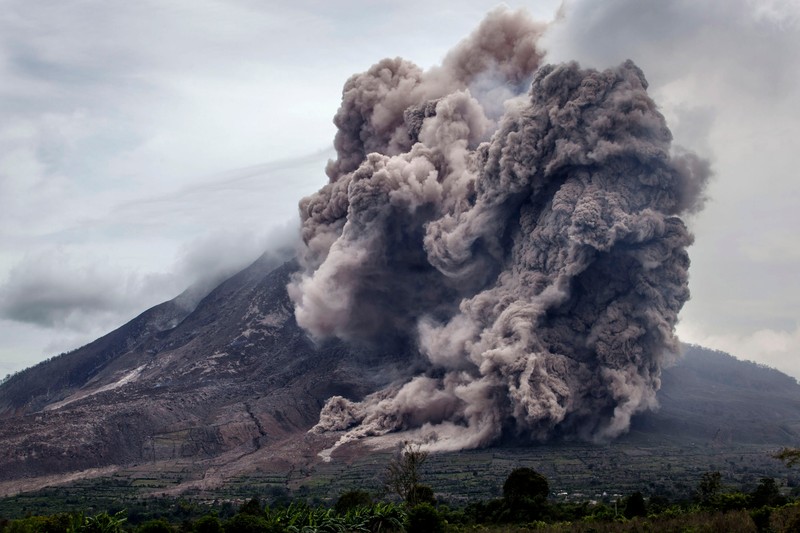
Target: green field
x,y
576,472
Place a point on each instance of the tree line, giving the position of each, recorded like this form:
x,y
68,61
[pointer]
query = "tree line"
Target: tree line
x,y
408,505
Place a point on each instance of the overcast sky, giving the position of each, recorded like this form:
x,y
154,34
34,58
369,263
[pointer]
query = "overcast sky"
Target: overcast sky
x,y
146,145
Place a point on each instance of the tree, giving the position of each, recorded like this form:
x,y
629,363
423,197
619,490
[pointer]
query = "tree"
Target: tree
x,y
248,523
767,493
524,497
352,499
709,487
423,518
252,507
635,506
790,456
208,524
158,525
402,473
525,483
421,494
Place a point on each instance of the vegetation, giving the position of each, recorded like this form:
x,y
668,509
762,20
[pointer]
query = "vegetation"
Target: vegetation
x,y
527,504
403,475
351,500
790,456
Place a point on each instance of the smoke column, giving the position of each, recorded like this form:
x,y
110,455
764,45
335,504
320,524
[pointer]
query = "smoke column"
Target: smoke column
x,y
519,221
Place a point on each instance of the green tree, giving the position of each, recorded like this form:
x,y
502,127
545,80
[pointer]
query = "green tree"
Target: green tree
x,y
424,518
767,494
352,499
208,524
420,494
635,505
57,523
524,497
709,487
761,518
248,523
252,507
402,472
158,525
790,456
525,483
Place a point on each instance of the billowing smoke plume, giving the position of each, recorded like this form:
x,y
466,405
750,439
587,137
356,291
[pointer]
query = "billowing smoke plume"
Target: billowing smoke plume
x,y
520,222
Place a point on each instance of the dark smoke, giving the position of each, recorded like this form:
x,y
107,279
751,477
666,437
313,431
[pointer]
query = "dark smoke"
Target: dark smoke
x,y
530,243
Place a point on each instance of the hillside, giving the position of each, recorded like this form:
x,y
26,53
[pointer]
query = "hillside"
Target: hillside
x,y
712,396
233,385
235,374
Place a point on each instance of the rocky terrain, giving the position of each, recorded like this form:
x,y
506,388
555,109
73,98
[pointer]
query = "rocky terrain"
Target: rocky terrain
x,y
233,385
231,377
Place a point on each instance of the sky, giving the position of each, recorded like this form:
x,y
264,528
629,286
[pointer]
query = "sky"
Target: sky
x,y
147,146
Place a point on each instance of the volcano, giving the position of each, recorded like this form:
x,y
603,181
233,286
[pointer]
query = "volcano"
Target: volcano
x,y
500,255
234,385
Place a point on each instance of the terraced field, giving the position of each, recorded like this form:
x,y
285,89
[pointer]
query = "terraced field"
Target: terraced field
x,y
577,472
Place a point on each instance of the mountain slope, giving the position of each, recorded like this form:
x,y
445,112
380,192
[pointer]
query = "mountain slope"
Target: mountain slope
x,y
236,373
33,388
235,384
712,396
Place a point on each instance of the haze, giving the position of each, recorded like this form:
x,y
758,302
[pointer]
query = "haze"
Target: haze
x,y
148,146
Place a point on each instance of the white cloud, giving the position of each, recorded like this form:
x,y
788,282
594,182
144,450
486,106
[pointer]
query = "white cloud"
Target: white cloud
x,y
118,122
140,253
776,348
56,289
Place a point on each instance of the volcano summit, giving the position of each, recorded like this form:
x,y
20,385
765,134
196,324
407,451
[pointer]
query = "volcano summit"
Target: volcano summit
x,y
521,223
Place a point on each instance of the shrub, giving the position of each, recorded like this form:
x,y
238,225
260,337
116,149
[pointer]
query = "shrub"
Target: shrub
x,y
104,523
525,483
420,494
635,506
158,525
423,518
767,493
761,518
247,523
208,524
352,499
252,507
729,501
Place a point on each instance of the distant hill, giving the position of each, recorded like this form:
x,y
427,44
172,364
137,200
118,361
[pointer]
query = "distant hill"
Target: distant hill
x,y
232,385
710,395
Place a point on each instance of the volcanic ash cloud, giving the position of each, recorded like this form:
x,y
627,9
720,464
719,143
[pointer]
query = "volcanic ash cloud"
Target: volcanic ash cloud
x,y
521,222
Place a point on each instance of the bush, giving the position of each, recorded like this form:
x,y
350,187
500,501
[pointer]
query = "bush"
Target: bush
x,y
423,518
352,499
253,507
525,483
761,518
635,506
104,523
767,494
247,523
57,523
525,494
208,524
384,517
729,501
420,494
155,526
